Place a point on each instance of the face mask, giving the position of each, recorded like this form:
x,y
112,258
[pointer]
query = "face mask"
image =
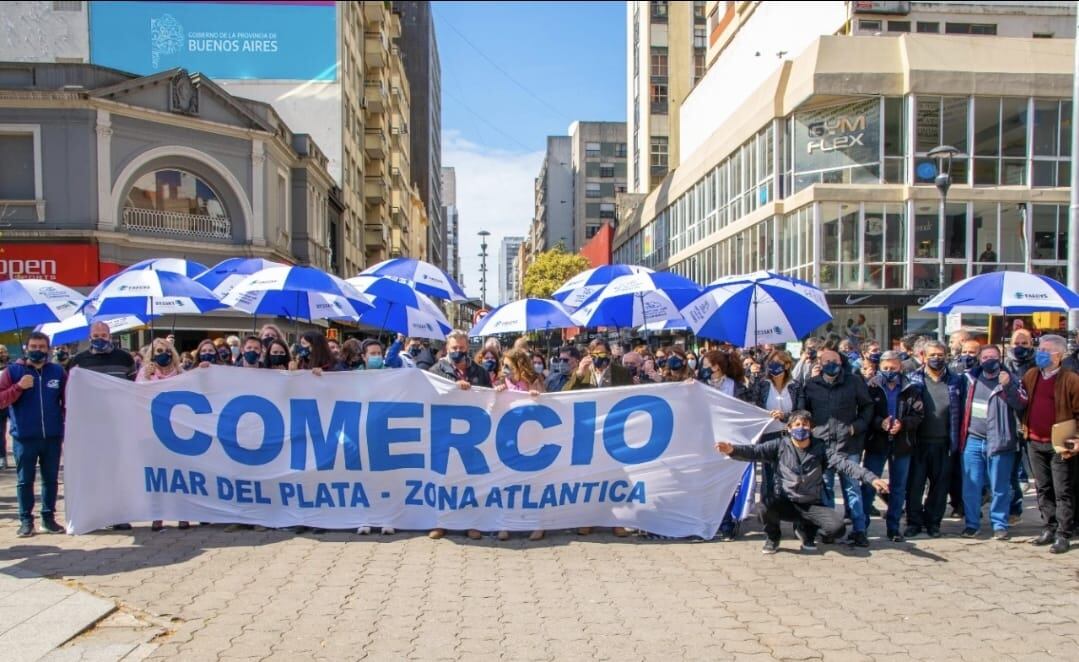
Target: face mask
x,y
675,364
374,363
889,375
776,369
936,363
100,345
874,357
692,363
563,367
489,365
811,354
415,351
661,363
266,341
706,374
207,357
303,352
632,370
507,371
831,369
251,357
601,362
1042,359
903,356
538,367
967,361
457,357
224,355
991,366
234,351
37,356
163,359
62,356
800,434
186,364
278,359
1022,353
853,357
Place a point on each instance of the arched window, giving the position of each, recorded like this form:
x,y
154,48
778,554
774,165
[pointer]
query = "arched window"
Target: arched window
x,y
175,201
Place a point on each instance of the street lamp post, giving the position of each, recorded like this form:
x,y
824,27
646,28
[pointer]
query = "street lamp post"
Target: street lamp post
x,y
943,155
483,266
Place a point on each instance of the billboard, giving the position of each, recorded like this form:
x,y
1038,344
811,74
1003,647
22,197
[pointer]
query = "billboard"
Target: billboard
x,y
74,265
837,136
229,40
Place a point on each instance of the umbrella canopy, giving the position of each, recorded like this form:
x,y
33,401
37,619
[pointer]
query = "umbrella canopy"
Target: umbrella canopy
x,y
298,293
29,302
386,288
77,327
149,292
666,325
636,299
577,290
399,308
762,307
1004,292
180,266
425,277
222,277
524,315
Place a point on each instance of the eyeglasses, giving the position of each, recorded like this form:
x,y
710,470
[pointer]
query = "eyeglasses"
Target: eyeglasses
x,y
600,357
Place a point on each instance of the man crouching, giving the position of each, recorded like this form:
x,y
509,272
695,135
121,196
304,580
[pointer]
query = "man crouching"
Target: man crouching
x,y
800,462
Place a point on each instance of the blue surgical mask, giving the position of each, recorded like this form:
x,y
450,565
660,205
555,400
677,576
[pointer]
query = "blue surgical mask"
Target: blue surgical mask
x,y
37,356
251,357
889,375
563,367
374,363
100,345
853,357
1042,359
776,369
538,367
831,369
457,357
800,434
163,359
936,363
874,357
692,364
706,374
661,363
1022,353
991,367
490,365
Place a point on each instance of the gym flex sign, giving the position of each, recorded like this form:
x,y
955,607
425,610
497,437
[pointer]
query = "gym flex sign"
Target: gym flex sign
x,y
837,136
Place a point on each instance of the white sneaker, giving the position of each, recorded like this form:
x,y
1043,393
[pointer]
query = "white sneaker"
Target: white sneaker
x,y
363,530
388,530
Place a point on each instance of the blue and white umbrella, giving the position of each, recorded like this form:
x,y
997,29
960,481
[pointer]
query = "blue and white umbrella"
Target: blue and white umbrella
x,y
761,307
577,290
665,325
222,277
636,299
386,288
176,265
298,293
524,315
425,277
1003,293
399,308
150,292
29,302
77,327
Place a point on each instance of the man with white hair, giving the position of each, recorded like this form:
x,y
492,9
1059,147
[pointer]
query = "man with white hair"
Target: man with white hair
x,y
1054,398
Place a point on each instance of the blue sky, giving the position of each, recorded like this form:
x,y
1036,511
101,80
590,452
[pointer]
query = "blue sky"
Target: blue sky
x,y
512,74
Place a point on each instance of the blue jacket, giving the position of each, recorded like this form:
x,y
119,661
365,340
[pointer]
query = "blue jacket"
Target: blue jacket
x,y
956,388
37,413
1005,404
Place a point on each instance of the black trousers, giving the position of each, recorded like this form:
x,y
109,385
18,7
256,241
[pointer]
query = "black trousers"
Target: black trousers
x,y
929,463
955,489
1056,481
812,517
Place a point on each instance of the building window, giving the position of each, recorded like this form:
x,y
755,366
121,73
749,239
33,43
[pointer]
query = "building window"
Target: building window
x,y
698,9
592,190
606,211
928,27
869,26
898,26
659,155
591,150
620,150
606,170
17,167
659,99
659,11
699,66
1051,148
619,188
1043,35
941,121
659,62
176,202
970,28
590,231
700,39
1000,141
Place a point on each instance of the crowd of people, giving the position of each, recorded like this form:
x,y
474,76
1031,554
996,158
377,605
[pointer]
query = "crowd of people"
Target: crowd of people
x,y
966,423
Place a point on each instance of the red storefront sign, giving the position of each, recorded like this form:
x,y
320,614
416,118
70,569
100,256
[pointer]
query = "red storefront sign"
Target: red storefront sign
x,y
74,265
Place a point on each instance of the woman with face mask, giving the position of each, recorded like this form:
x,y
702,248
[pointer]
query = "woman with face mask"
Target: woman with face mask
x,y
351,355
677,367
693,362
314,354
161,361
224,354
539,364
490,358
207,354
518,374
276,356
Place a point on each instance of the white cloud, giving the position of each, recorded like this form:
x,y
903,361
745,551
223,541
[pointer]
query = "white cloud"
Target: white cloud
x,y
495,192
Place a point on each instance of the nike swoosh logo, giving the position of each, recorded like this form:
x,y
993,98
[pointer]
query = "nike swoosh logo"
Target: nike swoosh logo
x,y
853,300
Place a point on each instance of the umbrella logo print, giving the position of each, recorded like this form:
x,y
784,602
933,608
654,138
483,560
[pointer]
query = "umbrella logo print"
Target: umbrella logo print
x,y
1031,297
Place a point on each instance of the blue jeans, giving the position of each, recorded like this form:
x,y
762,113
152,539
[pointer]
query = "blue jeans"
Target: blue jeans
x,y
852,493
980,470
28,454
898,474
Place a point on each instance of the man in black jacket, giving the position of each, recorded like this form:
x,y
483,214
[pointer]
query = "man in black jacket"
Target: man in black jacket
x,y
800,461
842,412
897,412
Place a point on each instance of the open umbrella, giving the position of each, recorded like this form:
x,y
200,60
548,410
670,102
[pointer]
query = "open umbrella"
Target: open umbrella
x,y
29,302
225,275
150,292
575,291
77,327
424,276
176,265
298,293
761,307
1003,293
636,299
665,325
399,308
522,316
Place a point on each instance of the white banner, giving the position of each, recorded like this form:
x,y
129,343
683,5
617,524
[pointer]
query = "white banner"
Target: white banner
x,y
399,448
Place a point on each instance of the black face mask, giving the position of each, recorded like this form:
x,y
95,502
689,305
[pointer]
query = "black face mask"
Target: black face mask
x,y
936,363
415,351
251,357
163,359
267,341
278,359
208,358
1023,353
991,367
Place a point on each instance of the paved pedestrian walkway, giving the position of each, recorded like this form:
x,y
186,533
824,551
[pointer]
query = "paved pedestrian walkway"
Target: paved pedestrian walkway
x,y
208,594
